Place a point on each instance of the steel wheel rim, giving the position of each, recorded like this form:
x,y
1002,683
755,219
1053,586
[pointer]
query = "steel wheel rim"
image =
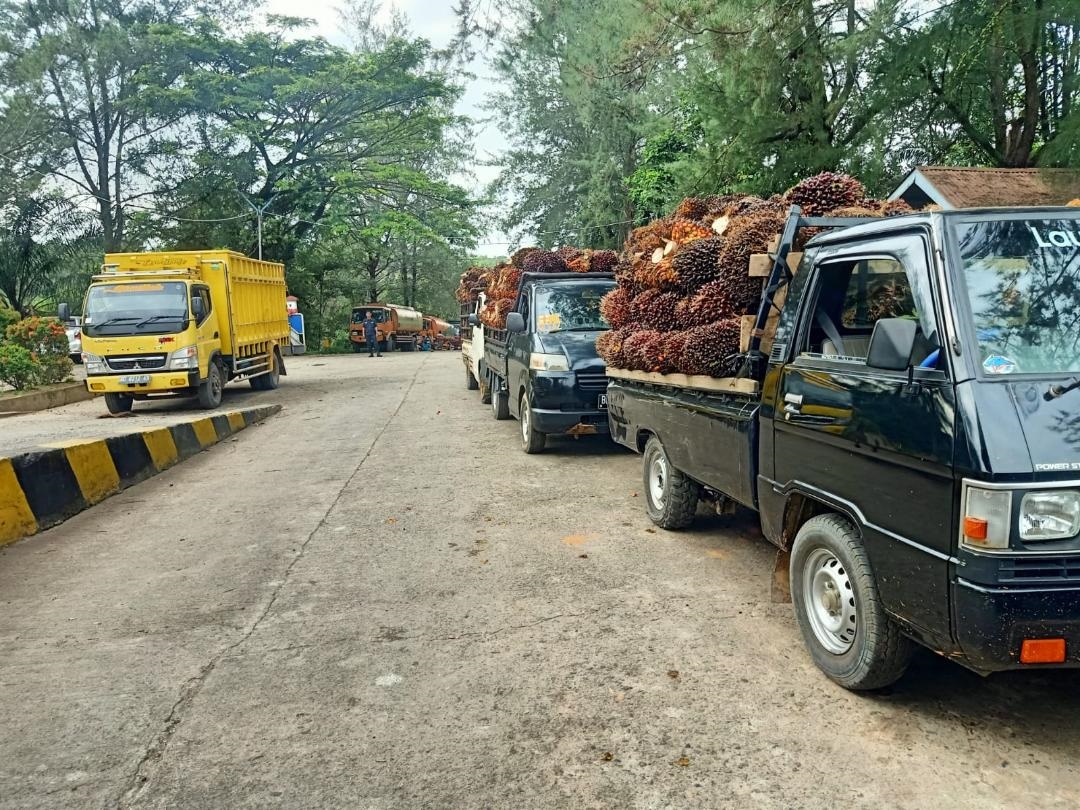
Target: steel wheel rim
x,y
215,382
524,420
494,402
829,601
657,480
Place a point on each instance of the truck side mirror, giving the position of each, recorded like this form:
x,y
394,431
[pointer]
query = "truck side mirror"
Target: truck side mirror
x,y
63,312
892,343
514,322
198,308
473,320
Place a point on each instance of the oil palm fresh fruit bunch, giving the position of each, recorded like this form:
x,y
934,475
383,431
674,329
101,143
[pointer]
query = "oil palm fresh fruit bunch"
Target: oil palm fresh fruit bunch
x,y
714,302
580,262
642,304
860,210
674,348
720,204
509,278
661,313
543,261
568,253
502,308
603,261
696,263
610,346
641,350
896,208
685,314
687,230
615,307
747,235
712,349
518,259
657,275
625,278
648,238
823,192
696,208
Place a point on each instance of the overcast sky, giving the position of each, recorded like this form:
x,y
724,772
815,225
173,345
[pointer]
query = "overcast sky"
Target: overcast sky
x,y
435,21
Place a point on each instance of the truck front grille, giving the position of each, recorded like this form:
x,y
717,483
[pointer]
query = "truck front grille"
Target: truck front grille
x,y
137,362
1039,570
592,380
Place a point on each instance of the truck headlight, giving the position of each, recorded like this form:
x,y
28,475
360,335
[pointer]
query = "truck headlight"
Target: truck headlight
x,y
548,362
187,357
1049,515
94,364
987,517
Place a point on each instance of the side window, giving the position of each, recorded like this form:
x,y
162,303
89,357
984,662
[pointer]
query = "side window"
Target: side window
x,y
204,294
525,309
854,294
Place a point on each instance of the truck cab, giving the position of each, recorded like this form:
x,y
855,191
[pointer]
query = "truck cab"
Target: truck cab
x,y
544,369
915,447
472,347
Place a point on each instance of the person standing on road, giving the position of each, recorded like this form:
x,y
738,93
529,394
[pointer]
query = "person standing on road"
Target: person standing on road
x,y
371,335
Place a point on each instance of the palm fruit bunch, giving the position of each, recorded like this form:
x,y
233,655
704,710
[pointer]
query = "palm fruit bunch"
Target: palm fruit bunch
x,y
615,307
642,350
712,349
674,349
747,235
696,263
506,281
568,253
693,208
543,261
641,304
1071,203
470,284
656,274
687,230
518,259
895,208
603,261
714,301
610,346
686,316
824,192
659,314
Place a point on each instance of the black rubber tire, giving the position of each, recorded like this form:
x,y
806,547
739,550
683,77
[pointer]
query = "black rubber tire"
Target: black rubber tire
x,y
680,494
500,405
268,382
118,403
212,388
532,440
470,381
879,653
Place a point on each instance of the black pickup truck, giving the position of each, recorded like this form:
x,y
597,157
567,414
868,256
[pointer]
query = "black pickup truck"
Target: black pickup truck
x,y
543,368
915,446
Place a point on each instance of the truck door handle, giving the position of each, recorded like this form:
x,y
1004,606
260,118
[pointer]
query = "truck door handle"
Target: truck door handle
x,y
793,403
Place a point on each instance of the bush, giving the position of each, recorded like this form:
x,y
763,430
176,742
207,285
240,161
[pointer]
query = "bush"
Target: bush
x,y
45,339
17,366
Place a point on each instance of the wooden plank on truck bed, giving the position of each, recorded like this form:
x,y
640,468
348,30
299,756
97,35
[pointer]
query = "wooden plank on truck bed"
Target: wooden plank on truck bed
x,y
761,263
767,334
697,382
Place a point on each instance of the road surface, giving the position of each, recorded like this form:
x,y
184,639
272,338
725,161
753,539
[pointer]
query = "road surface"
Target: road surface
x,y
375,600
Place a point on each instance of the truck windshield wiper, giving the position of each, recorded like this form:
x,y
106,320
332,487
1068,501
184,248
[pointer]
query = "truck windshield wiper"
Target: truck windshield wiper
x,y
1055,391
154,318
111,320
581,329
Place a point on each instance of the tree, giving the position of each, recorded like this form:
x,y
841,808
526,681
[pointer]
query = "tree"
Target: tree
x,y
37,237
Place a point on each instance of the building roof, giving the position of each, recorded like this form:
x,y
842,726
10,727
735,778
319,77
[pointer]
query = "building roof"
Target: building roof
x,y
951,187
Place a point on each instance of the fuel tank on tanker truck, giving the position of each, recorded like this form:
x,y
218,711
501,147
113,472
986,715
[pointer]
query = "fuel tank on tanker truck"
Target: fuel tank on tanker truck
x,y
183,324
396,326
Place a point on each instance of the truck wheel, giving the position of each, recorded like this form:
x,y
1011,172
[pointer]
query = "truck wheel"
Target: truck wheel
x,y
838,609
499,404
671,498
532,440
268,382
470,381
118,403
211,388
388,344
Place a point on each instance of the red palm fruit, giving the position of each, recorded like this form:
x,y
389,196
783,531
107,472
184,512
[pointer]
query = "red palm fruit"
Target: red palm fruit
x,y
696,263
543,261
642,304
661,313
674,346
610,346
713,302
895,208
746,235
603,261
687,230
712,349
692,208
568,253
720,204
824,192
624,277
656,275
685,315
579,264
518,259
861,210
640,349
649,237
615,307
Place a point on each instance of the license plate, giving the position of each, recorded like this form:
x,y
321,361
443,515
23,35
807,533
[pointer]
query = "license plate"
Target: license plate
x,y
135,379
602,402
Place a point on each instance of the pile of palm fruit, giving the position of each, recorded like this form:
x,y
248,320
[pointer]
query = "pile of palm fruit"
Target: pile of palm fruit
x,y
500,283
684,283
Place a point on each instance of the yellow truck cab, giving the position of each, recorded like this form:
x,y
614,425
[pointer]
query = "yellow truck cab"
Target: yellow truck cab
x,y
183,324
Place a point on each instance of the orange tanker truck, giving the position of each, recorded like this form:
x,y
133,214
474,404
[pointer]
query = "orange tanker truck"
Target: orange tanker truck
x,y
438,332
397,326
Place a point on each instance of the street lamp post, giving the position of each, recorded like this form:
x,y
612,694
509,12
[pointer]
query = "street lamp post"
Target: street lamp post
x,y
259,211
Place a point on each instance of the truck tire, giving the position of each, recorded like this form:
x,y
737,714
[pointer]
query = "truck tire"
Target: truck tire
x,y
532,440
389,347
210,389
671,498
270,381
470,381
119,403
500,406
838,609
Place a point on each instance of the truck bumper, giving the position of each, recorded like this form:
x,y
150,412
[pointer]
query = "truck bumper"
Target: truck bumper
x,y
575,423
162,382
993,622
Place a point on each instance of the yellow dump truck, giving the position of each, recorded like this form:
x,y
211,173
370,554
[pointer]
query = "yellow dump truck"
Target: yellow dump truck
x,y
183,324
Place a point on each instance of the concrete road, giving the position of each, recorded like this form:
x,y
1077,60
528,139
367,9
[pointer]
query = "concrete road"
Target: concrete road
x,y
375,600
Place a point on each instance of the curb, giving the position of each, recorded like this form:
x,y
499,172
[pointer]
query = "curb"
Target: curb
x,y
44,487
46,398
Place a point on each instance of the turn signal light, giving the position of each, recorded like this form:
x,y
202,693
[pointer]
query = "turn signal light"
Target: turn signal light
x,y
1042,651
975,528
97,386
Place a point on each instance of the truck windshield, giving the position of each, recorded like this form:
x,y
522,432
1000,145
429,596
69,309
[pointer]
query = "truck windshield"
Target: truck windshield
x,y
377,315
135,308
571,307
1022,279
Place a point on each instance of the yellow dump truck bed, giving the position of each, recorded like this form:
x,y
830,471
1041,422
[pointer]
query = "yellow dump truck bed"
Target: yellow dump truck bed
x,y
252,290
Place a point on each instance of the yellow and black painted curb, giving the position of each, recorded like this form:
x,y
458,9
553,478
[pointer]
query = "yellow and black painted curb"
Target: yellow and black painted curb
x,y
44,487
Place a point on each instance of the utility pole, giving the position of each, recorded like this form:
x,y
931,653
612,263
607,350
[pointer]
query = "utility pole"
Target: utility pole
x,y
259,211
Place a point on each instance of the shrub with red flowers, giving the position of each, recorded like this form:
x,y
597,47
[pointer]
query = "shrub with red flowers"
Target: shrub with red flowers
x,y
34,351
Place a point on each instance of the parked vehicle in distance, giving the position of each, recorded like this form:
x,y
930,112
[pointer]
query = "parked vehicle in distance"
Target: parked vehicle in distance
x,y
73,327
472,347
398,327
914,445
437,332
543,368
182,324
